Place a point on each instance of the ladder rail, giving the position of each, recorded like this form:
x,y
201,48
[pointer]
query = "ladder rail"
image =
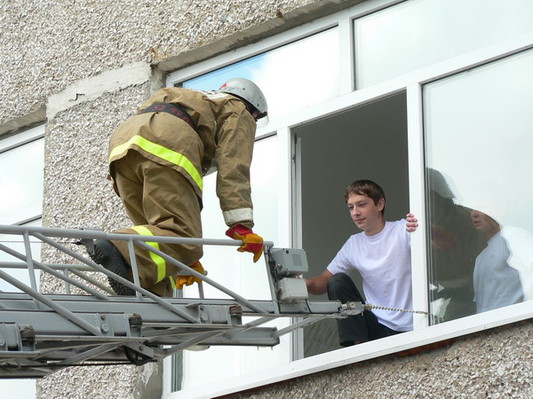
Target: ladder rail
x,y
78,270
204,278
42,333
51,304
51,271
122,280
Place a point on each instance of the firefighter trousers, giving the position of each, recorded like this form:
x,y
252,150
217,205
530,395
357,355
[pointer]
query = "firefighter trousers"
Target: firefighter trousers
x,y
160,201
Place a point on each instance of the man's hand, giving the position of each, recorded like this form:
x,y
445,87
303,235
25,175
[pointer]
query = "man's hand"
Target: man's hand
x,y
412,222
252,242
190,279
319,284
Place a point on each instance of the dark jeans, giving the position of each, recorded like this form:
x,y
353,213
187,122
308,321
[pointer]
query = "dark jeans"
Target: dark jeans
x,y
359,328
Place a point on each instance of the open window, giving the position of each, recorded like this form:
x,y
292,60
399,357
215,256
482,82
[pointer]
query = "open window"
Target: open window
x,y
366,142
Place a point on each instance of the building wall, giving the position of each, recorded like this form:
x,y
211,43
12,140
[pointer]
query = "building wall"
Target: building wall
x,y
48,45
83,66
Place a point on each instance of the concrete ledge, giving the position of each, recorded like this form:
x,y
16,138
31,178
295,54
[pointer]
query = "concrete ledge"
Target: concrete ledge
x,y
93,87
24,122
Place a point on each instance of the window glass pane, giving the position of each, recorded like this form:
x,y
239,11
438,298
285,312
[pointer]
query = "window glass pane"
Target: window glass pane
x,y
421,32
236,271
292,77
478,128
21,185
21,182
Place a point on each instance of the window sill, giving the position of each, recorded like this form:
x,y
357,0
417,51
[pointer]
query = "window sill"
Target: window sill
x,y
409,343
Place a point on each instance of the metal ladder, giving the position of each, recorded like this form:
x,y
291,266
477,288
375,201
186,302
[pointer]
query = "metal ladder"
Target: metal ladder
x,y
41,333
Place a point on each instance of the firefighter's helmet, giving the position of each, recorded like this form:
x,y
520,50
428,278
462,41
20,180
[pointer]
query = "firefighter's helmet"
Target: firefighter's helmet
x,y
249,92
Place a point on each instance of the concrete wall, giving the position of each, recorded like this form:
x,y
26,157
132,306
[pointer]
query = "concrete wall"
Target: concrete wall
x,y
83,66
48,45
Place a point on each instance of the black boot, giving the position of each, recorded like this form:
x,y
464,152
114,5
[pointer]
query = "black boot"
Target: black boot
x,y
107,255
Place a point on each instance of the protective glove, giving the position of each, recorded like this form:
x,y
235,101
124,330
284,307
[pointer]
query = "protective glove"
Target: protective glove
x,y
189,280
251,242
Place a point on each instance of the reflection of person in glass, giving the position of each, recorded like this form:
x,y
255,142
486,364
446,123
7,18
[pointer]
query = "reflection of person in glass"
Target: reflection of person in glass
x,y
455,245
496,284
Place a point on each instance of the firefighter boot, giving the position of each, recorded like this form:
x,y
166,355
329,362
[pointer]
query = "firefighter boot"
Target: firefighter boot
x,y
107,255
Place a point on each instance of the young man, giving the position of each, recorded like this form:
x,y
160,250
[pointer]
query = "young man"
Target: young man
x,y
157,159
381,254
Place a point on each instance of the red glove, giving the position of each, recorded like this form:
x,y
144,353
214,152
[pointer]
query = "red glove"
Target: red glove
x,y
251,242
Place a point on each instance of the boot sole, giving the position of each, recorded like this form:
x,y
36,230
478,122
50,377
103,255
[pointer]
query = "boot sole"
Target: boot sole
x,y
113,263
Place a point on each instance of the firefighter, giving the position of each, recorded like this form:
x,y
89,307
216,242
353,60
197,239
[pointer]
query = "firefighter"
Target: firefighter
x,y
157,159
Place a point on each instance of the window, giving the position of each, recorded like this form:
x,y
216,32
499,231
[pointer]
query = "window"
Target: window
x,y
480,234
21,185
21,163
288,88
21,181
430,105
292,77
419,33
238,273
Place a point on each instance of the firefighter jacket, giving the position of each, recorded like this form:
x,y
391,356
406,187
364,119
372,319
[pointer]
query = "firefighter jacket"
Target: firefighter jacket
x,y
224,138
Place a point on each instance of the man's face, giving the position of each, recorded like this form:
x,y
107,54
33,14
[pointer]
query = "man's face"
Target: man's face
x,y
365,214
483,222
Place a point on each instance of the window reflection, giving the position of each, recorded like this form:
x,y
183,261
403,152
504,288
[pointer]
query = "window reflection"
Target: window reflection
x,y
478,138
455,244
496,283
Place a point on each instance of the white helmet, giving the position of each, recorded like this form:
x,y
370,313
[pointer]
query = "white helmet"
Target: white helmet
x,y
249,92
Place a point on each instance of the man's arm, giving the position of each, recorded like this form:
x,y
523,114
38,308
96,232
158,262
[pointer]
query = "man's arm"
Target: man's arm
x,y
412,222
318,285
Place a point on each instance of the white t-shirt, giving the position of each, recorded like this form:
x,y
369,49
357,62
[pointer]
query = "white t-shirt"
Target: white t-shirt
x,y
384,262
496,284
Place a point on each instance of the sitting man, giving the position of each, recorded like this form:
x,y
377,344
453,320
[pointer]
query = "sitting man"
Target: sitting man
x,y
381,253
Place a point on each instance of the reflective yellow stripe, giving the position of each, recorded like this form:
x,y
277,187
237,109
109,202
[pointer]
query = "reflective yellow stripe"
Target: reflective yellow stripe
x,y
172,283
161,152
159,261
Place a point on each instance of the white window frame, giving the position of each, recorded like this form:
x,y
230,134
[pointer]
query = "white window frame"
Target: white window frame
x,y
411,83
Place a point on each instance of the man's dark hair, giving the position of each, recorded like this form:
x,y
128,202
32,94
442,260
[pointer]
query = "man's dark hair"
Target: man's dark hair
x,y
368,188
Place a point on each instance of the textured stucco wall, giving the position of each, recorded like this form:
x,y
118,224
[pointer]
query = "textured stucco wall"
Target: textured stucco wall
x,y
46,45
58,59
494,364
